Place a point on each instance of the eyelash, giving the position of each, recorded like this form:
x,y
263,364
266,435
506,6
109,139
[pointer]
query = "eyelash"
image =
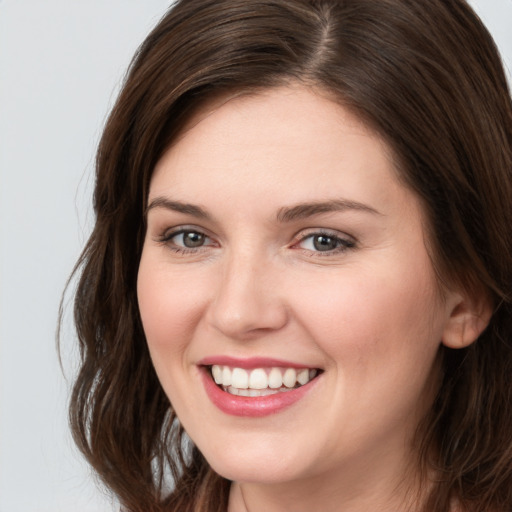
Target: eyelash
x,y
167,237
342,244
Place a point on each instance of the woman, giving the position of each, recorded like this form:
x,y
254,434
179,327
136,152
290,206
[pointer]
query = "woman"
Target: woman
x,y
302,259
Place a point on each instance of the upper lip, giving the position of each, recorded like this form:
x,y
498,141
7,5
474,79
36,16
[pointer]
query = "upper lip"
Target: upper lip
x,y
251,362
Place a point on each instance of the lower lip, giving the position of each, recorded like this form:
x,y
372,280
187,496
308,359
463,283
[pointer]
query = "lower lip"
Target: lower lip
x,y
257,406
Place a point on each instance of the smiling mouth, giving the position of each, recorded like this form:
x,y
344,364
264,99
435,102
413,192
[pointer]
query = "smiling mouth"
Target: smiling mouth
x,y
260,381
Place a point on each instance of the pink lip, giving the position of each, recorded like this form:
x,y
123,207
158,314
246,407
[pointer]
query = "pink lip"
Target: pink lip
x,y
250,363
255,407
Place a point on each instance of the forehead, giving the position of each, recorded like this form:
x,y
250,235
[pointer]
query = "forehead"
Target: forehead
x,y
291,133
282,146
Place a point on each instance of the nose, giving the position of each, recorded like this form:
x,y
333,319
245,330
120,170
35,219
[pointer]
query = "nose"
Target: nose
x,y
248,300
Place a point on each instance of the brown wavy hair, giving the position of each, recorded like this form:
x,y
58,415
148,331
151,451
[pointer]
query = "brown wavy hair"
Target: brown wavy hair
x,y
426,75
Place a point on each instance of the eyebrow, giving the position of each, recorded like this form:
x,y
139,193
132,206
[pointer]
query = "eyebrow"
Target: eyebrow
x,y
304,210
285,214
178,206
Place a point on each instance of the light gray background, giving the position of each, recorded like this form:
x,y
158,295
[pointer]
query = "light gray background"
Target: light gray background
x,y
61,63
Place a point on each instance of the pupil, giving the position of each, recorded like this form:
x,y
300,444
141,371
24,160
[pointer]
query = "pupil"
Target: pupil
x,y
324,243
193,239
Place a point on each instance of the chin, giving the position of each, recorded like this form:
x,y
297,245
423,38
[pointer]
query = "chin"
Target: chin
x,y
261,466
242,471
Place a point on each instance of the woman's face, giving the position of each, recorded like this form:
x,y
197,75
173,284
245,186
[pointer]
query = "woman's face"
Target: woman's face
x,y
282,253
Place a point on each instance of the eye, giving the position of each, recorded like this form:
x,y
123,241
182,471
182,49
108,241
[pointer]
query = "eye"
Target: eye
x,y
189,239
184,240
325,242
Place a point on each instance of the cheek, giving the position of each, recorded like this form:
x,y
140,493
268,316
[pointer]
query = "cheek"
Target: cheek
x,y
170,307
381,346
372,317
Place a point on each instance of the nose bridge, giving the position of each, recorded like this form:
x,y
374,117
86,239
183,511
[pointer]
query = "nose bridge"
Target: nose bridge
x,y
247,298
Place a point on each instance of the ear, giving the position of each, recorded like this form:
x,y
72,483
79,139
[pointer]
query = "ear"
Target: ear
x,y
469,315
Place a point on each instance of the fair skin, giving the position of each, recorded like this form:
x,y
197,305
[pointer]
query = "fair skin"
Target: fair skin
x,y
234,265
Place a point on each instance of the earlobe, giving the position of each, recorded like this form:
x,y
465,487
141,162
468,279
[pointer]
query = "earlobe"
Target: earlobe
x,y
468,319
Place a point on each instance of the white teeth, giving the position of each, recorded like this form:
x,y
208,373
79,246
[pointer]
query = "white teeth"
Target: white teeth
x,y
217,374
303,376
289,377
275,378
253,392
260,381
240,378
226,376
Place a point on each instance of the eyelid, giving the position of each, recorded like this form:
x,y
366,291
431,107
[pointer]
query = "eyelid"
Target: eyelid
x,y
168,234
176,230
304,233
347,241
